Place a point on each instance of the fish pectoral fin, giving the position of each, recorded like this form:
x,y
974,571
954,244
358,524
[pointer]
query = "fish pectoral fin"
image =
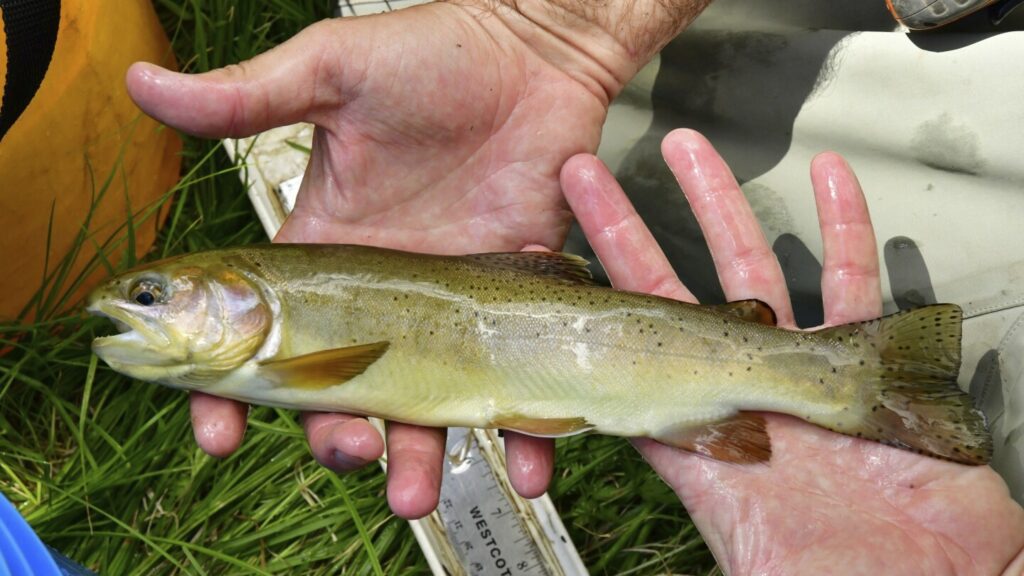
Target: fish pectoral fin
x,y
741,439
750,310
558,265
325,368
544,427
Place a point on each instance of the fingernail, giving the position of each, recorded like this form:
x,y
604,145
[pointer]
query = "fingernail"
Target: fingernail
x,y
346,462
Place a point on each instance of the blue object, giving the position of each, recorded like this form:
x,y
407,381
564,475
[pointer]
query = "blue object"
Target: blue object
x,y
23,554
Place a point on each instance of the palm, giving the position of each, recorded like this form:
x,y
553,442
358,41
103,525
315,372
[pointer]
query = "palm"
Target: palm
x,y
450,146
825,503
912,514
438,130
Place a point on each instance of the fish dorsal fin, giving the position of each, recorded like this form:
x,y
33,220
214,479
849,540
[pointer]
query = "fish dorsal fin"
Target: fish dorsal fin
x,y
559,265
546,427
741,439
750,310
325,368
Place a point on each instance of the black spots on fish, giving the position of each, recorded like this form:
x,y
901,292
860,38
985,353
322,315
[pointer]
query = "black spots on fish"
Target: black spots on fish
x,y
726,333
730,374
833,369
431,332
749,368
659,344
821,381
861,362
745,339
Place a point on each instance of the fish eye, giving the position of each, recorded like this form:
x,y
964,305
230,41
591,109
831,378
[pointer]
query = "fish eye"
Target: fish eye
x,y
146,292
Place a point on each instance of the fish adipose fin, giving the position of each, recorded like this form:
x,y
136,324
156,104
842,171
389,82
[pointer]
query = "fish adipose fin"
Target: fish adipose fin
x,y
912,401
558,265
750,310
325,368
741,439
544,427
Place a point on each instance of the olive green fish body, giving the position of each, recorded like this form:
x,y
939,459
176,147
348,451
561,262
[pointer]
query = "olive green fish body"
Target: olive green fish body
x,y
525,342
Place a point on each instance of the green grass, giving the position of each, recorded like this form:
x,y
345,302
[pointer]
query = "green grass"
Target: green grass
x,y
106,470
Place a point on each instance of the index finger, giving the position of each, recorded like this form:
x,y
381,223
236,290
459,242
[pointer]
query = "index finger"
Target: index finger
x,y
626,248
217,423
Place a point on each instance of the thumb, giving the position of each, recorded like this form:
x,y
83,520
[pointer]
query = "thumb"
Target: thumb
x,y
285,85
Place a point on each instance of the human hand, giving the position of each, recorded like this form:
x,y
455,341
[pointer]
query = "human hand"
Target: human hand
x,y
440,128
825,503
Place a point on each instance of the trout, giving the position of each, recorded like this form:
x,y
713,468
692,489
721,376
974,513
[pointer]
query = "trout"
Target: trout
x,y
526,342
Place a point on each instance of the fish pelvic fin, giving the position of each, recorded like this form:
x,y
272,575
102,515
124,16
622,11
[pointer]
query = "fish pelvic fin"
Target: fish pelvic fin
x,y
325,368
754,311
543,427
912,401
568,268
740,439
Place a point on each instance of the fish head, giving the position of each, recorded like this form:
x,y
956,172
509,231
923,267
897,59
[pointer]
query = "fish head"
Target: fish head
x,y
184,322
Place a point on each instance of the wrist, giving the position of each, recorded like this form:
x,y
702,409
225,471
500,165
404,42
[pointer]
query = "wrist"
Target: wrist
x,y
601,43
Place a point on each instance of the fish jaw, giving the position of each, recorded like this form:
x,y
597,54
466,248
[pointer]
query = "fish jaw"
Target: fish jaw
x,y
142,349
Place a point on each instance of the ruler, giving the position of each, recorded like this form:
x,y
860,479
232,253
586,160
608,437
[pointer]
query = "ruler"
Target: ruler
x,y
481,526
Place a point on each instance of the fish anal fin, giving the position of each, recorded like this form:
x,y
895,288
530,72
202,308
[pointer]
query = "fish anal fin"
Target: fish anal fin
x,y
325,368
740,439
750,310
544,427
558,265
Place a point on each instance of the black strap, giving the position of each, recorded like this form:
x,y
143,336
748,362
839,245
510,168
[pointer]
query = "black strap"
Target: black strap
x,y
31,29
1001,10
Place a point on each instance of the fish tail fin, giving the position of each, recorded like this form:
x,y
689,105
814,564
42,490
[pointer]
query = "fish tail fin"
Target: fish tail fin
x,y
912,400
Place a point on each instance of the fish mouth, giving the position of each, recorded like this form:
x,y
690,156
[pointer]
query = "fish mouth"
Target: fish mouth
x,y
138,341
